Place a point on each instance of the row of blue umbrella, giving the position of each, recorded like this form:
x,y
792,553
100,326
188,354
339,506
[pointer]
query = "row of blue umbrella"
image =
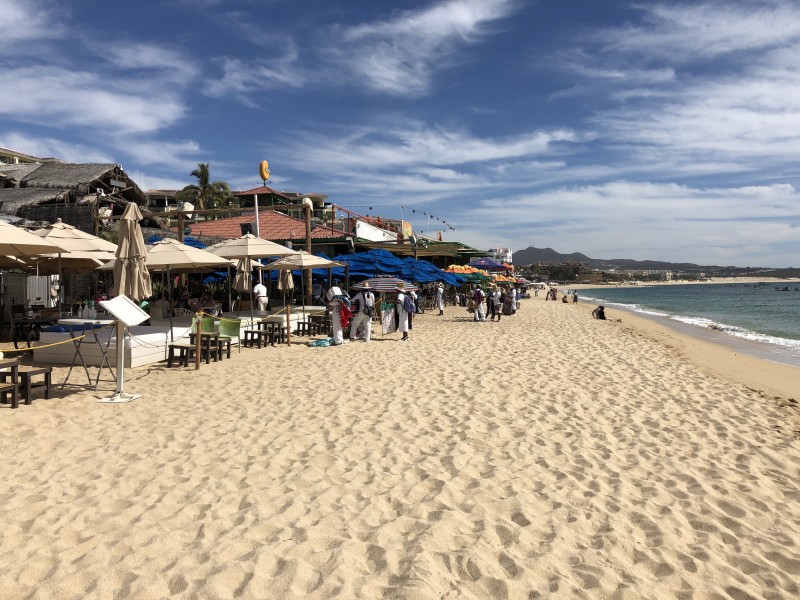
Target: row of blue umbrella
x,y
362,265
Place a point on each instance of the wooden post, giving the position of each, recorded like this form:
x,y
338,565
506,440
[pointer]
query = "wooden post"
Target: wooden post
x,y
289,324
197,341
307,274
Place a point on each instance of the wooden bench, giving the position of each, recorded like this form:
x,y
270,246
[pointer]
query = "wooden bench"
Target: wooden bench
x,y
25,375
258,336
10,387
184,350
10,369
303,328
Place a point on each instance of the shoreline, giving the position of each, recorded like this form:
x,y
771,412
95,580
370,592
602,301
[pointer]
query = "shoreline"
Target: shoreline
x,y
725,356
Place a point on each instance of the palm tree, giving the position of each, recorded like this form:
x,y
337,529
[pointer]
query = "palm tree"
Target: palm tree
x,y
206,193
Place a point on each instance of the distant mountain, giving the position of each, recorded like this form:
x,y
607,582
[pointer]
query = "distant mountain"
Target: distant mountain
x,y
548,256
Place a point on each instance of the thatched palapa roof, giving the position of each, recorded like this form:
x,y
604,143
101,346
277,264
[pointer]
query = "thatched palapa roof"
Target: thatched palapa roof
x,y
12,199
77,177
15,173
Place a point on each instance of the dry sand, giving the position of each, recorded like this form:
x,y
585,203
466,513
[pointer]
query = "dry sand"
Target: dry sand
x,y
545,456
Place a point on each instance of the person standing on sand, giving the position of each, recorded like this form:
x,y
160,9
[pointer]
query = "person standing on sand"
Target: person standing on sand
x,y
402,315
497,302
336,301
477,298
440,298
413,295
260,296
363,309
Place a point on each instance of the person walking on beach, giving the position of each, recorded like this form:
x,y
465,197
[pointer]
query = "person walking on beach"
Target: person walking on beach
x,y
490,306
363,310
478,297
337,302
440,298
497,302
402,314
260,296
413,295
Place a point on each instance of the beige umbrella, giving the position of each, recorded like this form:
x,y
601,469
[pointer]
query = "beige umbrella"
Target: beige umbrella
x,y
15,241
249,246
72,239
130,273
132,280
299,260
169,254
174,257
87,251
242,281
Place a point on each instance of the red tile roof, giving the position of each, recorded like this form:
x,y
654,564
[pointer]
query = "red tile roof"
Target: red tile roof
x,y
263,190
272,225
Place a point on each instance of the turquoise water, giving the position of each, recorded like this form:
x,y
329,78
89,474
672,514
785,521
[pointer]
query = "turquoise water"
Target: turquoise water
x,y
763,315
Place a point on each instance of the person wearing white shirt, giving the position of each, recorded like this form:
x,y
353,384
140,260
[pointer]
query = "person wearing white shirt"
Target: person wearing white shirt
x,y
363,309
402,315
334,297
440,298
260,295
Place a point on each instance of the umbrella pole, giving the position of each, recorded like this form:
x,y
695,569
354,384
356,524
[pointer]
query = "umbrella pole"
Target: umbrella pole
x,y
169,305
60,283
289,324
230,294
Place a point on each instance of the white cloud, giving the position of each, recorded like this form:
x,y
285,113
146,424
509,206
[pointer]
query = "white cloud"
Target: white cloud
x,y
399,56
46,147
692,31
59,98
167,64
22,22
167,154
649,221
413,144
242,78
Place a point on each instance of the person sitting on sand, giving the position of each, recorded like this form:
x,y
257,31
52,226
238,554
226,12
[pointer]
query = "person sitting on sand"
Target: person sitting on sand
x,y
599,313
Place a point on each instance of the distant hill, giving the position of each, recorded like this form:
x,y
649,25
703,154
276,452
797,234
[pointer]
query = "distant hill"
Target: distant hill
x,y
548,256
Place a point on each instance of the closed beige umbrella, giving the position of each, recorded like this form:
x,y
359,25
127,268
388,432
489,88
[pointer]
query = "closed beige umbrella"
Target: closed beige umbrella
x,y
131,277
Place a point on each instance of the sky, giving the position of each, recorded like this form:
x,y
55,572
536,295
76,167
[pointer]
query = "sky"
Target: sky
x,y
657,130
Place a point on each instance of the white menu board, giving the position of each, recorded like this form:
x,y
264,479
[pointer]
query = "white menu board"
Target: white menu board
x,y
124,309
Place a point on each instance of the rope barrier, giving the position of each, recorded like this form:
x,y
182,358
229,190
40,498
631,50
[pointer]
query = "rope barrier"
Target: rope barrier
x,y
40,346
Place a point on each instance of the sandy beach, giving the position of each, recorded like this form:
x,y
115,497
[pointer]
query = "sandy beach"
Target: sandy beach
x,y
548,455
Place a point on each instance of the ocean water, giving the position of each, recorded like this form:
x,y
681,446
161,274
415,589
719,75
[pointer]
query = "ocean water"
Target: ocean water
x,y
758,319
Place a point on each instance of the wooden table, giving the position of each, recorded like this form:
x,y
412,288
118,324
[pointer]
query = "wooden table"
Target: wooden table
x,y
209,340
28,329
10,387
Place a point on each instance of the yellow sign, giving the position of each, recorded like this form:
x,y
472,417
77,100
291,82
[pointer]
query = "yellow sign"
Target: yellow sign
x,y
263,170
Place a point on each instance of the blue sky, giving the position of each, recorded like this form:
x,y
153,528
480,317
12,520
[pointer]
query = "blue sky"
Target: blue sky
x,y
645,130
